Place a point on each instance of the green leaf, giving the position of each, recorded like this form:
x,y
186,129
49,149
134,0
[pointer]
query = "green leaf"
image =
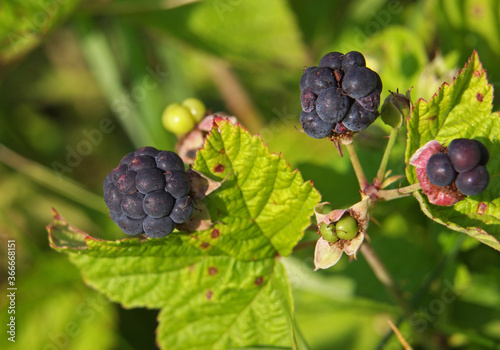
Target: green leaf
x,y
263,206
245,32
462,109
220,288
208,300
24,23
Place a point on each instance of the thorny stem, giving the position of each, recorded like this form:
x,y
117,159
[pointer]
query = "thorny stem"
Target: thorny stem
x,y
398,193
358,169
385,159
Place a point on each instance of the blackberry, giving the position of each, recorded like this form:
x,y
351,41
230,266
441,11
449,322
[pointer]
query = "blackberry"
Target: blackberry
x,y
340,95
148,192
463,164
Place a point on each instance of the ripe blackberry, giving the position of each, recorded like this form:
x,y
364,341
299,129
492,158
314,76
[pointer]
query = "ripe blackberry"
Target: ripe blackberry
x,y
148,192
340,95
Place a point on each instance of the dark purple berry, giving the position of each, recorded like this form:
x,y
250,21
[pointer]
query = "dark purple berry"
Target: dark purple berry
x,y
127,158
149,180
158,228
158,204
464,154
126,182
314,126
141,162
353,59
168,161
379,85
485,155
132,206
474,181
307,99
107,183
177,184
147,151
332,60
113,198
332,105
182,210
118,171
358,118
321,78
130,226
370,102
359,82
303,78
115,216
440,171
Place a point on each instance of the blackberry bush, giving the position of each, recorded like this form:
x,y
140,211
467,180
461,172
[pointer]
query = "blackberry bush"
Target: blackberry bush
x,y
148,192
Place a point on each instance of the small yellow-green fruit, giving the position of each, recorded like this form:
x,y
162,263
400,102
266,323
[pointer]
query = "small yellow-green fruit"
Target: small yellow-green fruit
x,y
196,107
327,232
177,119
346,228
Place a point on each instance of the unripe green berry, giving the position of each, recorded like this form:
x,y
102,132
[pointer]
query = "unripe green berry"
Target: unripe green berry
x,y
196,107
327,232
346,228
177,119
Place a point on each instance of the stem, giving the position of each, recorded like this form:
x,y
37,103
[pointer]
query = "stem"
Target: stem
x,y
422,292
299,337
358,169
48,178
399,192
384,276
387,153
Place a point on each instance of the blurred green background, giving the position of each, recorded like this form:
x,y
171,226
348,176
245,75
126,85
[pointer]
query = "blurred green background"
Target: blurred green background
x,y
84,82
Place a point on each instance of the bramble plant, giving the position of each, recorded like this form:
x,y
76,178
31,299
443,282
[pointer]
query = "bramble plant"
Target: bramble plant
x,y
219,275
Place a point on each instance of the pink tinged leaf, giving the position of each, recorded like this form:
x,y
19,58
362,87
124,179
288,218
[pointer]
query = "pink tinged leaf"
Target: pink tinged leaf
x,y
352,246
207,123
189,145
420,158
327,218
326,254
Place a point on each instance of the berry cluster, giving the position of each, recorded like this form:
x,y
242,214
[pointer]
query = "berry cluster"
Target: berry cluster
x,y
463,164
339,95
148,193
346,228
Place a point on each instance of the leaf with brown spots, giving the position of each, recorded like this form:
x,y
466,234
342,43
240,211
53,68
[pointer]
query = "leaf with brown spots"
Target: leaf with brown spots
x,y
251,207
461,109
192,282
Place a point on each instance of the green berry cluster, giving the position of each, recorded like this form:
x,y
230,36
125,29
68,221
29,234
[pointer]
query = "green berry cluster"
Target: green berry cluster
x,y
346,228
180,118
